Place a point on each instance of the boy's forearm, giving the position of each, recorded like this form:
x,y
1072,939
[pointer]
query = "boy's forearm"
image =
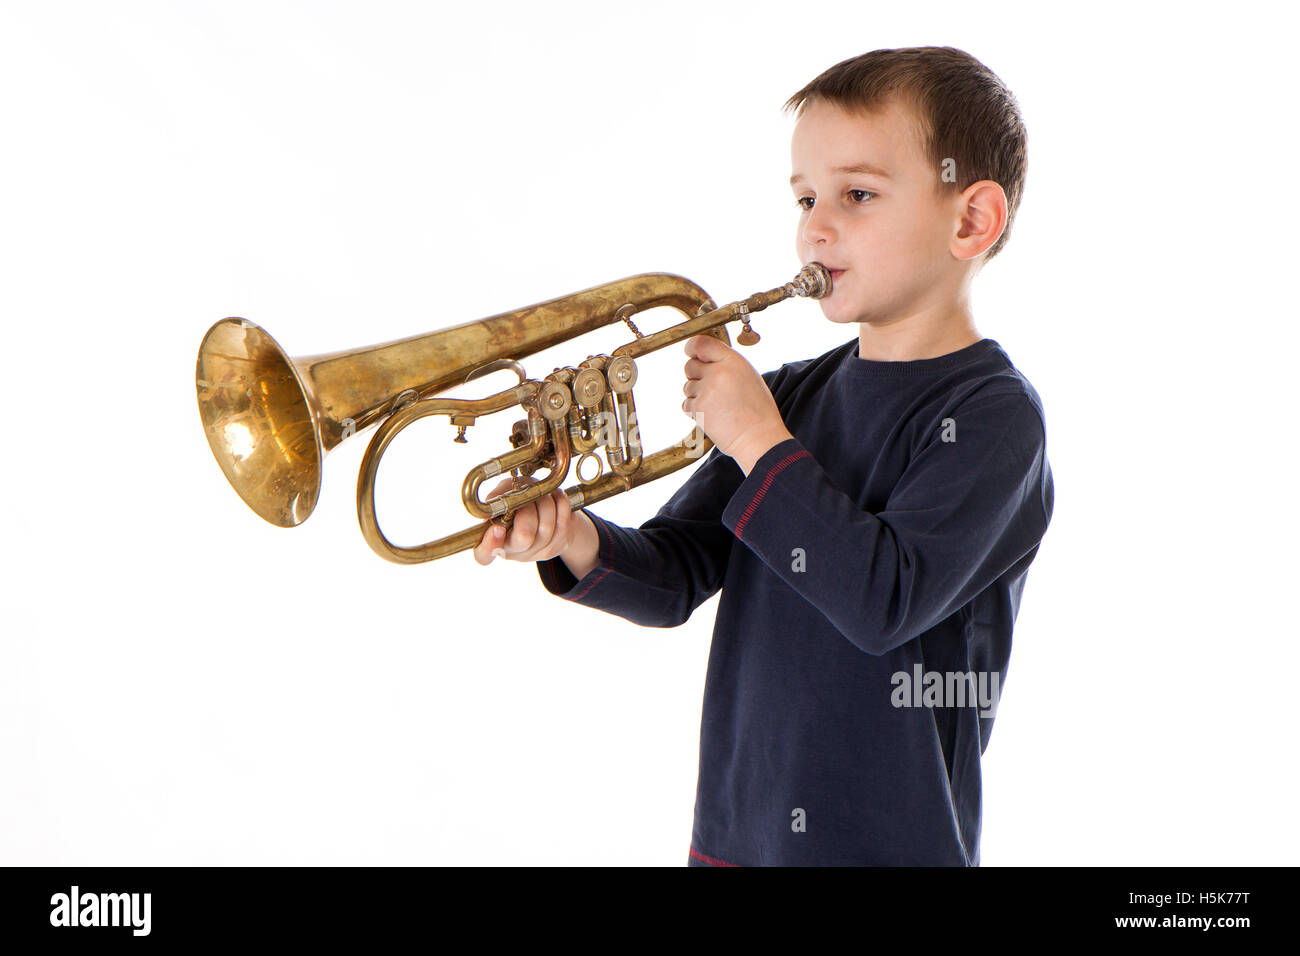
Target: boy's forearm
x,y
582,554
658,573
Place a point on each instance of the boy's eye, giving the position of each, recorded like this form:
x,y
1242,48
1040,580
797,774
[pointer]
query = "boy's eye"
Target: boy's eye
x,y
858,196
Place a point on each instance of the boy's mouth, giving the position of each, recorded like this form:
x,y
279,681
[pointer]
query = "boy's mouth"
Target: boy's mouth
x,y
835,276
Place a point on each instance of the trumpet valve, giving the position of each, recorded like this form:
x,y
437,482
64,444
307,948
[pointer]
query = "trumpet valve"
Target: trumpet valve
x,y
554,401
588,387
621,374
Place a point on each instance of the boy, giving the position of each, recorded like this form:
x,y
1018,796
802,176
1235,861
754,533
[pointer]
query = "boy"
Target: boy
x,y
869,514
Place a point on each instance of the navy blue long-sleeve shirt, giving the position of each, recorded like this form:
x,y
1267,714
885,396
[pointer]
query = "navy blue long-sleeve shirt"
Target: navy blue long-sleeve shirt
x,y
890,536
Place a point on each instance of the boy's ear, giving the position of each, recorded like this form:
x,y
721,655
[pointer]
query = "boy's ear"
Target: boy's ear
x,y
982,209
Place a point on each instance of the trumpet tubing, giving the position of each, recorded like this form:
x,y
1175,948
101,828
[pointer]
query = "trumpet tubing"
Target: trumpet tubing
x,y
270,419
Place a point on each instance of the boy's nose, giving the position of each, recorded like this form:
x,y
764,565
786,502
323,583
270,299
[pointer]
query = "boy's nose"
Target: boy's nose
x,y
818,228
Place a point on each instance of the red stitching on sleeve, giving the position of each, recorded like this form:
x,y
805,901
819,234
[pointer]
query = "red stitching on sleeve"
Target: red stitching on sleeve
x,y
710,860
592,584
599,537
767,483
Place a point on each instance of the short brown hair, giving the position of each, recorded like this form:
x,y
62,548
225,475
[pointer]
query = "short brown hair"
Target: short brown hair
x,y
964,111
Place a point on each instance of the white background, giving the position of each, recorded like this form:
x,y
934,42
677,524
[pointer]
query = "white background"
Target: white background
x,y
181,683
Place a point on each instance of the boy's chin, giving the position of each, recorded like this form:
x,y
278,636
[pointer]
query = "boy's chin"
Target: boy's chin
x,y
856,314
841,316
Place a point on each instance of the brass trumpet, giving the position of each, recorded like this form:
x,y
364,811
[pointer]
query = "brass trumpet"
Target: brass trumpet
x,y
270,419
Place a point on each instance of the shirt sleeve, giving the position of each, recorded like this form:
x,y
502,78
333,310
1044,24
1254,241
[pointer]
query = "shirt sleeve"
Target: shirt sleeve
x,y
657,574
965,511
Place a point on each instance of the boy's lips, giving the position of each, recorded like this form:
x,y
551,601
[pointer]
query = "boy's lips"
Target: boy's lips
x,y
833,272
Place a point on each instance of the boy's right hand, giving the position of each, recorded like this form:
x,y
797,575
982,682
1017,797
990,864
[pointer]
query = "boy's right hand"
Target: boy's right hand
x,y
541,529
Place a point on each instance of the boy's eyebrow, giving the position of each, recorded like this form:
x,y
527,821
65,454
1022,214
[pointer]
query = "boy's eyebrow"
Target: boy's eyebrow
x,y
854,168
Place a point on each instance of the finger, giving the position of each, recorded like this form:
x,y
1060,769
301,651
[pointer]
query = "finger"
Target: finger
x,y
492,543
563,518
694,369
501,488
489,545
483,550
545,527
522,530
545,520
706,348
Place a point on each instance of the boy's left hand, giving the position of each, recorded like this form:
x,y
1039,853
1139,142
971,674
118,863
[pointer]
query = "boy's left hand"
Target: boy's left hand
x,y
730,401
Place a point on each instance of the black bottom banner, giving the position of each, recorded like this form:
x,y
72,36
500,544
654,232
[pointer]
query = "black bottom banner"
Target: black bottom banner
x,y
1223,906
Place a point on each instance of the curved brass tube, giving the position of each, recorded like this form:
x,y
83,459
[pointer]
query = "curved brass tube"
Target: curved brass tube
x,y
384,437
507,502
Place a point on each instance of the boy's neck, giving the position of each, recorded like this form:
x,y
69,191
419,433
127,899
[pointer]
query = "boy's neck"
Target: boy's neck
x,y
922,335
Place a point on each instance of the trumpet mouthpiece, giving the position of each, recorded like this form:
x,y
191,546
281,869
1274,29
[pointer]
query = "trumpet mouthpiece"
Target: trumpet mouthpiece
x,y
813,280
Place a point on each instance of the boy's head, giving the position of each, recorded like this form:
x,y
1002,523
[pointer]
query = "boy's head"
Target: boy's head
x,y
943,154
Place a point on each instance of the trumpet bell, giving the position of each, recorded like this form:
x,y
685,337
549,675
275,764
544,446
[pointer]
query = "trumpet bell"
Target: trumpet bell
x,y
257,414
